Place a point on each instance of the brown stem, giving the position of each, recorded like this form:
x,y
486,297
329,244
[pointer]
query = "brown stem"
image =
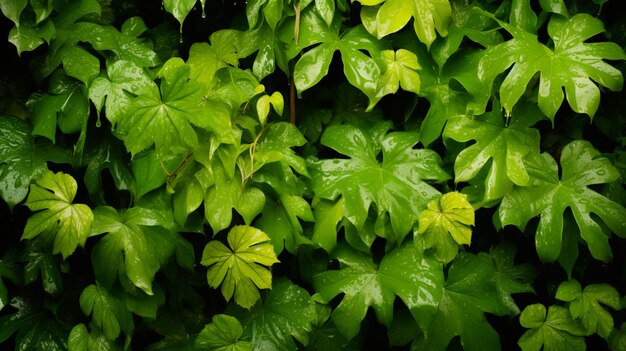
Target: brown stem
x,y
292,101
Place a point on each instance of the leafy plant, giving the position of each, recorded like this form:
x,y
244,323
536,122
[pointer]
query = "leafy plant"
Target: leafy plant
x,y
312,174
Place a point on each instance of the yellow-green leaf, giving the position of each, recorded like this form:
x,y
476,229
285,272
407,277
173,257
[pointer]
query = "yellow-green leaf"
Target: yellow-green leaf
x,y
52,195
240,269
445,224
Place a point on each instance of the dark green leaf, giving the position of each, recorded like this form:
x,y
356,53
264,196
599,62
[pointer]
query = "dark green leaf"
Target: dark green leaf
x,y
548,197
418,281
286,312
554,331
396,186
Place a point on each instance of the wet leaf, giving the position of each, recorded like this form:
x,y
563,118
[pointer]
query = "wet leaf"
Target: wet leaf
x,y
417,281
52,195
571,64
548,196
240,269
396,186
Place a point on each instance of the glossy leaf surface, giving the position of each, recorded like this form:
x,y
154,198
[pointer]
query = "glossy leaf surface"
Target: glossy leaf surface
x,y
395,186
548,196
416,280
240,269
52,195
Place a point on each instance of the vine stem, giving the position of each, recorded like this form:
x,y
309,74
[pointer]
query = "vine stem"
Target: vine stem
x,y
251,151
180,164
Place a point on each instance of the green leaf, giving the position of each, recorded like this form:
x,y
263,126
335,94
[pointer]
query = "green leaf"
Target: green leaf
x,y
508,277
163,118
445,225
179,9
223,334
418,281
327,215
585,305
20,161
67,106
263,105
108,153
150,172
548,197
133,246
9,270
428,16
28,37
361,70
470,291
108,313
52,195
617,339
240,269
112,92
81,339
396,185
571,64
12,9
43,266
205,60
80,64
554,331
466,22
286,312
400,71
505,143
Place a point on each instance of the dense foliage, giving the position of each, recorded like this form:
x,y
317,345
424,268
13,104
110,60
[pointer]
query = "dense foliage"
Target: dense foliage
x,y
312,174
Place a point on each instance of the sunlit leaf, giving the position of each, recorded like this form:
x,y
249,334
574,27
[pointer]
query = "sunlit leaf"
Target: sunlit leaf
x,y
241,269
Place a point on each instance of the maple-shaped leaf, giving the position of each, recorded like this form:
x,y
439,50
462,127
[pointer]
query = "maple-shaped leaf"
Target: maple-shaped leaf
x,y
466,22
224,333
445,225
416,280
548,196
383,17
571,64
108,312
240,269
285,313
400,71
504,142
204,59
133,246
164,117
124,79
396,186
361,70
554,331
584,304
441,87
470,291
20,163
52,195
